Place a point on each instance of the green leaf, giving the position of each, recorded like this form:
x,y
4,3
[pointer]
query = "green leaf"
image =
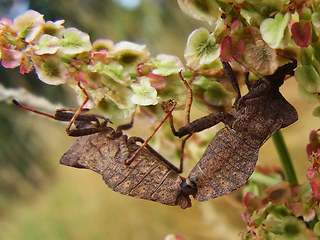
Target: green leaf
x,y
316,50
50,70
216,94
308,77
130,54
316,112
205,10
316,229
279,211
47,44
114,71
167,65
112,110
201,48
29,25
74,41
306,56
273,30
144,94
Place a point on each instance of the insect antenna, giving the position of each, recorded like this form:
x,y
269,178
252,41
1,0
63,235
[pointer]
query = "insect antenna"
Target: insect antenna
x,y
15,102
85,124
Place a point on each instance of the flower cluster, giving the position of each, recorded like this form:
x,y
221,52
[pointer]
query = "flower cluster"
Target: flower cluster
x,y
258,36
254,35
313,173
115,75
283,210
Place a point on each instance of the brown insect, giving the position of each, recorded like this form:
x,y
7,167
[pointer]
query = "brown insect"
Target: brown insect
x,y
231,156
109,152
227,163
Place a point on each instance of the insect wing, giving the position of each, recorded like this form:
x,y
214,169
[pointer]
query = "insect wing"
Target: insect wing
x,y
147,177
225,166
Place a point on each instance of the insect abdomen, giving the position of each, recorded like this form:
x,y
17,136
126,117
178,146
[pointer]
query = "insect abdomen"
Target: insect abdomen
x,y
147,177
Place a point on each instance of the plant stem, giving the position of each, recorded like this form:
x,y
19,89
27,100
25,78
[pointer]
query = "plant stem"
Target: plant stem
x,y
289,172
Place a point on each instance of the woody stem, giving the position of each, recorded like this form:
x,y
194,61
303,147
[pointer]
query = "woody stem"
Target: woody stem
x,y
285,159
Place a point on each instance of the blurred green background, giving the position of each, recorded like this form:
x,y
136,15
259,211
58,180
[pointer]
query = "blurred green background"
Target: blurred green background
x,y
40,199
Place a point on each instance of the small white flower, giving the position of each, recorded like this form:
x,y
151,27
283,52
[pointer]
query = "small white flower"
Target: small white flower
x,y
167,65
74,41
201,48
144,93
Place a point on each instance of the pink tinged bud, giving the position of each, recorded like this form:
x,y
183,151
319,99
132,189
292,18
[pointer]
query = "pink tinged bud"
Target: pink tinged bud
x,y
246,217
26,65
315,186
309,149
301,33
239,48
81,76
226,50
314,136
5,22
309,215
230,49
143,69
314,145
247,198
174,237
99,55
235,25
157,81
311,173
178,237
10,58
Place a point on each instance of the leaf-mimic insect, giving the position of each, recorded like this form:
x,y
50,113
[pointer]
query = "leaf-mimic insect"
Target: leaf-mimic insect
x,y
231,156
226,164
106,151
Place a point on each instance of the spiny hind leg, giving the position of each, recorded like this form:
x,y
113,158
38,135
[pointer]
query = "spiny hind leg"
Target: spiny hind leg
x,y
76,114
134,140
153,133
232,78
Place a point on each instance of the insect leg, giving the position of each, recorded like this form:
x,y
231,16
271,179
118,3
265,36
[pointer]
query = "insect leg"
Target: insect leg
x,y
246,80
229,72
79,109
15,102
154,152
82,121
188,109
183,144
124,148
127,126
190,97
274,81
199,124
203,123
152,134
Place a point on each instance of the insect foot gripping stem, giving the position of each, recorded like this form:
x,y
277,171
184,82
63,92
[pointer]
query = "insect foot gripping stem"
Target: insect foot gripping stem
x,y
148,176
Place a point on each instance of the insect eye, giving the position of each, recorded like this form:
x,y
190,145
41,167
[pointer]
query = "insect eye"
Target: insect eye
x,y
188,187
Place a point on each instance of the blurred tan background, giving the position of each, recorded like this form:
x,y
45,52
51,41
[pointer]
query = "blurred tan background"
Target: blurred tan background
x,y
40,199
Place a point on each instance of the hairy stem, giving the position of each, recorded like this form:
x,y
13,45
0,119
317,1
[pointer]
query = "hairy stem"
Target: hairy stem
x,y
289,172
